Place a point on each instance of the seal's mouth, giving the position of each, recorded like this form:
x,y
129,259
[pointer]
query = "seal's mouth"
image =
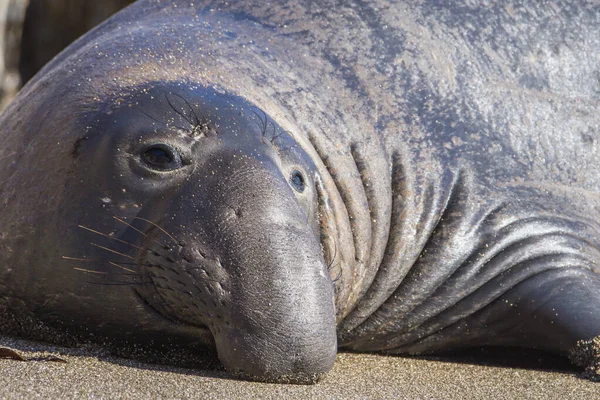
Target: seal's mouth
x,y
156,313
152,295
160,266
196,332
185,283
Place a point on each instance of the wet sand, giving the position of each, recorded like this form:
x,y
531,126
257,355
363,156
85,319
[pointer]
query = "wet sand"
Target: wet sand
x,y
89,373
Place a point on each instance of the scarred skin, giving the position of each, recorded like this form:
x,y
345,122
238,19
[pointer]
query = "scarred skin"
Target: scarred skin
x,y
279,181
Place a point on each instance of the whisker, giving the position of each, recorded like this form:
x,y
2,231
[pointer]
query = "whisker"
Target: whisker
x,y
79,259
164,246
120,265
331,264
121,241
123,268
102,273
129,225
334,255
339,275
150,117
181,114
160,122
333,261
134,264
112,251
198,122
258,123
150,250
101,261
263,123
275,135
90,271
119,283
110,237
161,229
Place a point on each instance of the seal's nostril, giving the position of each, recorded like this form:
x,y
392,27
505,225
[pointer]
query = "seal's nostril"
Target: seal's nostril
x,y
234,211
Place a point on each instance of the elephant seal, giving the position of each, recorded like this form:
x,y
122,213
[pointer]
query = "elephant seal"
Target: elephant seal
x,y
282,180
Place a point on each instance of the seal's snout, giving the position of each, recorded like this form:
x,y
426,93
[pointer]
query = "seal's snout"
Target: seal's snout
x,y
283,333
281,316
274,358
280,323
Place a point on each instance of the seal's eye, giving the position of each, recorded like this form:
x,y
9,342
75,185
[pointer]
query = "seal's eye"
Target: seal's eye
x,y
297,181
161,157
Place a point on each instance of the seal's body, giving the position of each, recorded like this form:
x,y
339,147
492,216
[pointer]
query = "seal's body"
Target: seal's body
x,y
284,179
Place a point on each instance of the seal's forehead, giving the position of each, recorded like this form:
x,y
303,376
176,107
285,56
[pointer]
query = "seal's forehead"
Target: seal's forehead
x,y
169,43
181,107
202,47
163,100
118,63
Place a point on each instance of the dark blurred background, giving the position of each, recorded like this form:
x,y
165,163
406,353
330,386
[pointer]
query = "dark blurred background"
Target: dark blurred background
x,y
32,32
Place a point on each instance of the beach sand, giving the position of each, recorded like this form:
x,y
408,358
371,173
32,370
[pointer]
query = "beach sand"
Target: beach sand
x,y
92,373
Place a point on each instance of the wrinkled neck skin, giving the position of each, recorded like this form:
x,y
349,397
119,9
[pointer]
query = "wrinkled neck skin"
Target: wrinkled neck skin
x,y
268,230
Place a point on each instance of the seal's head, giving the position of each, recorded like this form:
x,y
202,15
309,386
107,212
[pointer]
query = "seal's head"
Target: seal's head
x,y
174,210
175,213
208,208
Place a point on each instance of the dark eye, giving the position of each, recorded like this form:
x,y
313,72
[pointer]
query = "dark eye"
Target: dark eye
x,y
162,157
297,181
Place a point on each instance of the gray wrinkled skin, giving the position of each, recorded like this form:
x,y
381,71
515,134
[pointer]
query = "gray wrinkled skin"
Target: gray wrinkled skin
x,y
404,177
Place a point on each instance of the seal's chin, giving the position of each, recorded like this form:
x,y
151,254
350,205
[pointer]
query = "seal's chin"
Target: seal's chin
x,y
154,269
197,333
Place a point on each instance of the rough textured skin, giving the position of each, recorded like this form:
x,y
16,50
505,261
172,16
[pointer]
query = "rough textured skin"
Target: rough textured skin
x,y
448,151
